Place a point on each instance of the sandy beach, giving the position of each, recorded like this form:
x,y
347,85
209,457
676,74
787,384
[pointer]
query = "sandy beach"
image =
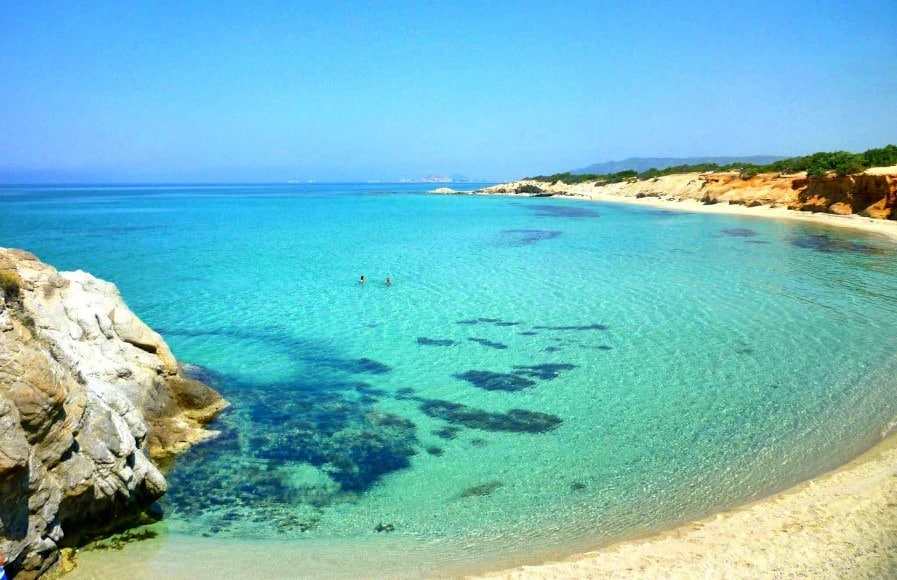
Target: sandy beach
x,y
867,224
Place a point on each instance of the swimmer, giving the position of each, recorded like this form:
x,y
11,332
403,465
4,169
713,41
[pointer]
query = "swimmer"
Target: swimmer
x,y
388,281
361,280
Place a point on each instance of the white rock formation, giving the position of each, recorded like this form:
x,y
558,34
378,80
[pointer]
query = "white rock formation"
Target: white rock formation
x,y
88,393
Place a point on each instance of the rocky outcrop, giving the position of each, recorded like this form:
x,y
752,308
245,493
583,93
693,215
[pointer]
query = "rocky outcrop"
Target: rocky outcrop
x,y
88,396
872,194
864,194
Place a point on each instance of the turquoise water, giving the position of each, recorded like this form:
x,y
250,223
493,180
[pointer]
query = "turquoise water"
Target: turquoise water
x,y
540,374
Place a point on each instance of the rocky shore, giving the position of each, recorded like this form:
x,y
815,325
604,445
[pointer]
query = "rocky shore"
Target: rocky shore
x,y
91,402
870,194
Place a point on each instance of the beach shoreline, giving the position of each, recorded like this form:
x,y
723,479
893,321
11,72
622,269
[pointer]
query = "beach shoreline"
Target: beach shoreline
x,y
866,224
764,196
842,523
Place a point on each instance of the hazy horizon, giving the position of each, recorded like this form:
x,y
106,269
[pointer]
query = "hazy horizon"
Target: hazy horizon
x,y
351,92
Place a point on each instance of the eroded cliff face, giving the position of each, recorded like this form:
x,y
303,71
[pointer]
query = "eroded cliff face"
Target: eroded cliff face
x,y
865,194
88,395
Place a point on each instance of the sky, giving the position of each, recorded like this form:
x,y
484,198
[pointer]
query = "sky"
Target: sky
x,y
221,91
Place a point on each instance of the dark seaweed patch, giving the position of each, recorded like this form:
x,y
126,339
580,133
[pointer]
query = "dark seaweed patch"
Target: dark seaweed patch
x,y
493,321
369,390
489,343
351,443
478,442
604,347
515,420
551,349
528,333
447,432
756,242
562,211
359,366
424,341
119,541
356,455
435,450
526,237
594,326
404,393
826,243
738,232
481,490
544,372
491,381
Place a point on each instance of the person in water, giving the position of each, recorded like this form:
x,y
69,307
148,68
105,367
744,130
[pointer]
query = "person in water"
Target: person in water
x,y
388,281
361,280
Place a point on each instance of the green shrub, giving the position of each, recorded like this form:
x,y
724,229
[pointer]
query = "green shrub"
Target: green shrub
x,y
884,157
10,283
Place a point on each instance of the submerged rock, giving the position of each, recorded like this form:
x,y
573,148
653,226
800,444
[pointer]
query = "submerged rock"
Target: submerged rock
x,y
738,232
492,381
827,244
481,490
526,237
581,327
545,372
515,420
88,394
424,341
563,211
489,343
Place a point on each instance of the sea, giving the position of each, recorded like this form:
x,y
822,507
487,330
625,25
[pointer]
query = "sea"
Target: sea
x,y
541,377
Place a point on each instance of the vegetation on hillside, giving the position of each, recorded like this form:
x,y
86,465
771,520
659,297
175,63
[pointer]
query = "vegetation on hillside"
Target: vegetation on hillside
x,y
816,165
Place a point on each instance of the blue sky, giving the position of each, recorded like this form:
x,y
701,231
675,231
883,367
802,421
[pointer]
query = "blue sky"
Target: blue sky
x,y
342,91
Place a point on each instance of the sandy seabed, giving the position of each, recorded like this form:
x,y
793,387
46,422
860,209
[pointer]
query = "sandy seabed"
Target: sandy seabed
x,y
842,524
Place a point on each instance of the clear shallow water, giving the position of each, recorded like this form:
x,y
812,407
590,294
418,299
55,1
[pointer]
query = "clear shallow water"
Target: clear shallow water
x,y
542,372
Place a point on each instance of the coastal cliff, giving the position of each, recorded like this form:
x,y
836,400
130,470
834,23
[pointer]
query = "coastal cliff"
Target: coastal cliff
x,y
90,397
871,194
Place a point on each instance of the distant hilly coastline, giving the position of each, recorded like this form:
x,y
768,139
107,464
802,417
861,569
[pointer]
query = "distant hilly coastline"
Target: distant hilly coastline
x,y
644,163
